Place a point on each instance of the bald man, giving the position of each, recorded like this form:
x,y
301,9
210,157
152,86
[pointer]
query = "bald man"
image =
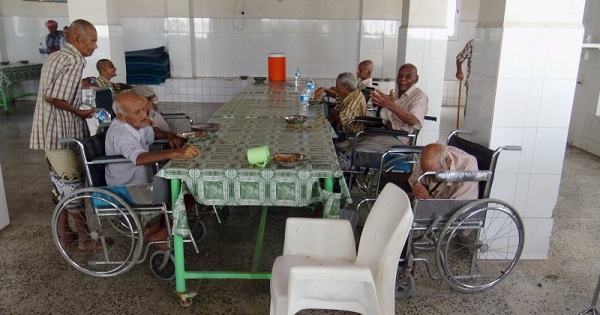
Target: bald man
x,y
131,135
438,157
365,68
107,71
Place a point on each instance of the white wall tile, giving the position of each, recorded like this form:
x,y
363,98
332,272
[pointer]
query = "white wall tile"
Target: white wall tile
x,y
548,154
537,240
542,195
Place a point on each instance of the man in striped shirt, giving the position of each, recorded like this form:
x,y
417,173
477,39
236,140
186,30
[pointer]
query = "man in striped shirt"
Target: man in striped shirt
x,y
57,116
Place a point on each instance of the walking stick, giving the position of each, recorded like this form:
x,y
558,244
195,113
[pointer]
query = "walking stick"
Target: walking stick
x,y
458,110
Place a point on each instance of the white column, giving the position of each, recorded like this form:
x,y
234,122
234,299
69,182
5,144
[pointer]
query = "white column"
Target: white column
x,y
104,14
522,83
4,220
422,41
180,38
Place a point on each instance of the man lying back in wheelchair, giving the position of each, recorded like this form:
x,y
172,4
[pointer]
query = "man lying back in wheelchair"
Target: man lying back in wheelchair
x,y
438,157
131,135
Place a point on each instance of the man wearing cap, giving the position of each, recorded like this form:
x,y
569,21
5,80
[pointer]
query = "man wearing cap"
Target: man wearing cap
x,y
54,37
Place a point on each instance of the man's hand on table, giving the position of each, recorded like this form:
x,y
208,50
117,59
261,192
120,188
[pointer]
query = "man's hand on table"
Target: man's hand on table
x,y
186,152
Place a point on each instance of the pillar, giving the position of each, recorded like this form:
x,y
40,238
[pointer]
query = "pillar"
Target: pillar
x,y
422,41
523,77
104,14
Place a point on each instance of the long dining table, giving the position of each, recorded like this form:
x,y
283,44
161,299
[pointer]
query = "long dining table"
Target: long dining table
x,y
222,176
13,73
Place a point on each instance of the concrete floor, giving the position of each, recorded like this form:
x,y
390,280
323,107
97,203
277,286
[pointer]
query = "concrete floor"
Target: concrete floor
x,y
35,279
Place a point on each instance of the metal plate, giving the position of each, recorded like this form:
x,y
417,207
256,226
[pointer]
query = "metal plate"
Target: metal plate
x,y
205,127
289,159
191,134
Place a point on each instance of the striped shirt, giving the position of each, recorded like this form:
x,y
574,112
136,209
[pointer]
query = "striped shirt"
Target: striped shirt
x,y
352,106
60,79
115,88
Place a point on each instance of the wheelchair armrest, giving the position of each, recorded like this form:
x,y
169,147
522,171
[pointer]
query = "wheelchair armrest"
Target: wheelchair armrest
x,y
109,159
64,141
430,118
383,131
406,149
458,176
161,141
173,114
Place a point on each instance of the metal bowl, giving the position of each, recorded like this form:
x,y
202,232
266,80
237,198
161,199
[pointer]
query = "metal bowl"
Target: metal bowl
x,y
289,159
260,79
243,77
191,134
205,127
295,119
24,61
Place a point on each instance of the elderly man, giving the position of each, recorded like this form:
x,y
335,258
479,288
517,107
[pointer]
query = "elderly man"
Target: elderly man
x,y
54,37
365,68
131,135
404,111
351,103
107,71
438,157
154,113
57,116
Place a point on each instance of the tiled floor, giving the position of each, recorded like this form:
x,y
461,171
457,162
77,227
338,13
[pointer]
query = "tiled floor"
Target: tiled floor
x,y
35,279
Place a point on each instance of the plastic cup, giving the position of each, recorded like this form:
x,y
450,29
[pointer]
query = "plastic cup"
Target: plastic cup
x,y
259,156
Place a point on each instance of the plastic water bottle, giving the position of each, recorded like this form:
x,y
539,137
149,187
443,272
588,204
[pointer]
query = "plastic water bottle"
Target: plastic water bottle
x,y
304,96
297,76
310,86
43,50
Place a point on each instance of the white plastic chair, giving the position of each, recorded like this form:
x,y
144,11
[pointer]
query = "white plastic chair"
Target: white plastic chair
x,y
319,268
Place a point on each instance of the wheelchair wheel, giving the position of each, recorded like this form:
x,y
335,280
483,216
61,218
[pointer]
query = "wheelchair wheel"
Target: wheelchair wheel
x,y
87,213
405,284
197,228
163,266
480,245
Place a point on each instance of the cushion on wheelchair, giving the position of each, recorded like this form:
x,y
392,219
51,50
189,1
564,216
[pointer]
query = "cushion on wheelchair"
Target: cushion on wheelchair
x,y
133,195
120,191
460,176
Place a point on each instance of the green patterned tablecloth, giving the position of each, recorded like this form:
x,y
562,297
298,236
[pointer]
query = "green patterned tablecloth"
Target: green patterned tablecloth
x,y
221,175
274,100
18,72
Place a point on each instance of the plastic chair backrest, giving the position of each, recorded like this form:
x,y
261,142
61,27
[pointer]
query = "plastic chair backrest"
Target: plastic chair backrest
x,y
383,237
93,147
482,154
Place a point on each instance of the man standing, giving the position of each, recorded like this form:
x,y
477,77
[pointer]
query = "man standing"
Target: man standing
x,y
54,37
57,116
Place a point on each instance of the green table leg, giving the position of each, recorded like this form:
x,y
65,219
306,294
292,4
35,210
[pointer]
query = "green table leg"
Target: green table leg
x,y
178,243
4,101
259,240
328,183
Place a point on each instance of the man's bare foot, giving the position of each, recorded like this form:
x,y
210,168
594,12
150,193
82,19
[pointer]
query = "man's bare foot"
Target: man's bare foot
x,y
85,243
67,238
159,237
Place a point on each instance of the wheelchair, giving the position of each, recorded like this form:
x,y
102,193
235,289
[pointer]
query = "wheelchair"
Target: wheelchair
x,y
475,243
114,216
364,174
